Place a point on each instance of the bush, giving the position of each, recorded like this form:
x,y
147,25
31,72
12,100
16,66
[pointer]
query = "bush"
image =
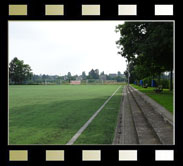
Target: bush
x,y
164,82
147,81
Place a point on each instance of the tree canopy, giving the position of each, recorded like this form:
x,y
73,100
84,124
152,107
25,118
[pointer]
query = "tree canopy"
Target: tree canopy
x,y
18,71
148,46
93,74
151,41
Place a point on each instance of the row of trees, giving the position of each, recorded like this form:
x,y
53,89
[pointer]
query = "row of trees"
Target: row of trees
x,y
148,49
20,73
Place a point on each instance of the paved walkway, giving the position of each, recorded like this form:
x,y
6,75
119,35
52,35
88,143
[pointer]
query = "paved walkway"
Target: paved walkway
x,y
141,122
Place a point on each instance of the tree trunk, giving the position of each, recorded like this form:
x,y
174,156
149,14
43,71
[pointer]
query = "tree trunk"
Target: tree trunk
x,y
152,79
159,78
171,80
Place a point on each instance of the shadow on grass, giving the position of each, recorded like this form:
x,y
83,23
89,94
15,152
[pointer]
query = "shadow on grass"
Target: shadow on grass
x,y
53,123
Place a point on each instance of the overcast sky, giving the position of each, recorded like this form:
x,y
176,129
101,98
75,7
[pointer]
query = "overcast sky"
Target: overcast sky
x,y
59,47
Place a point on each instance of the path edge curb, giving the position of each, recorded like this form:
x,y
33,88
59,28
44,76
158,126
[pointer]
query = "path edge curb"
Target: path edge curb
x,y
156,106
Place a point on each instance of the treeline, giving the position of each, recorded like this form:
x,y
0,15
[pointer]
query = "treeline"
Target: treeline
x,y
92,77
20,73
148,49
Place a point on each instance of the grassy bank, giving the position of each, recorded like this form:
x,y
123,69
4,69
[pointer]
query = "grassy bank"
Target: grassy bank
x,y
164,98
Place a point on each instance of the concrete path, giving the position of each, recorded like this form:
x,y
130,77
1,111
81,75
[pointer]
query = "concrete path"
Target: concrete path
x,y
125,131
141,122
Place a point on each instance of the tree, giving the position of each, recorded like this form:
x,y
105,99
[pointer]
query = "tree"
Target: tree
x,y
93,74
149,44
133,76
119,73
83,75
19,72
69,74
102,73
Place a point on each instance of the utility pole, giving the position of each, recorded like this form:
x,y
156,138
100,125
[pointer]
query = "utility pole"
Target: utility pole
x,y
128,73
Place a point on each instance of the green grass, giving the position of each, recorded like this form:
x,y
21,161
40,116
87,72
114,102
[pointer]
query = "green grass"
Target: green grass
x,y
52,114
164,98
102,129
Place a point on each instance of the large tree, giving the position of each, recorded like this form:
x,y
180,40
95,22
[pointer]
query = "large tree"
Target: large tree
x,y
93,74
148,44
19,72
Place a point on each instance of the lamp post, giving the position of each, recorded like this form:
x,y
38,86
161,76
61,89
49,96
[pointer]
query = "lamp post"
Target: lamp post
x,y
128,73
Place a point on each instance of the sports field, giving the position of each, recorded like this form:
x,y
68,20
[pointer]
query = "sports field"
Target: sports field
x,y
52,114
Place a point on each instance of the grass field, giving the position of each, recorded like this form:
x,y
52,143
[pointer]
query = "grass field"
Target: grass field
x,y
52,114
164,98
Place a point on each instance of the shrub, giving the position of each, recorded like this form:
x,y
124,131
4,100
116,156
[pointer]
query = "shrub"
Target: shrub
x,y
147,81
165,83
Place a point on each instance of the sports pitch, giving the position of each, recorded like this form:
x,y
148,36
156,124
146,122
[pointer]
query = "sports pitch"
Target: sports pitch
x,y
52,114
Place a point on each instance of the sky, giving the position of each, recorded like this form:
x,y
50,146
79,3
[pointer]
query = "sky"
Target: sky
x,y
59,47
